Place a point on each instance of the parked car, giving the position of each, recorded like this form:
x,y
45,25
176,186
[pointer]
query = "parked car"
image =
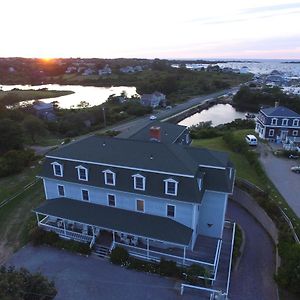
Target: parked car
x,y
153,117
296,169
251,140
292,156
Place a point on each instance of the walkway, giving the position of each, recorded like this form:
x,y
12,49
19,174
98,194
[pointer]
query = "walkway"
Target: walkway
x,y
254,277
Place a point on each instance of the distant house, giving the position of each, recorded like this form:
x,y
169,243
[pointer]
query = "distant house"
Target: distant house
x,y
127,69
138,69
155,99
70,70
244,70
88,72
277,124
44,110
105,71
275,80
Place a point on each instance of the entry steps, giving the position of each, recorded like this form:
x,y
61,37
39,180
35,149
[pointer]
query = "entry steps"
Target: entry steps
x,y
101,251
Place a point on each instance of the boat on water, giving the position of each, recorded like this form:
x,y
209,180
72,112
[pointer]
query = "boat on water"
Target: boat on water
x,y
249,115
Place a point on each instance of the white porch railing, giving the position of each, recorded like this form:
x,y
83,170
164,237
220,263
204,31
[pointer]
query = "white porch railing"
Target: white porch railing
x,y
67,233
155,255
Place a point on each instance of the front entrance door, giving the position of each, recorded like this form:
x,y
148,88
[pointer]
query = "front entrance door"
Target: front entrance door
x,y
283,135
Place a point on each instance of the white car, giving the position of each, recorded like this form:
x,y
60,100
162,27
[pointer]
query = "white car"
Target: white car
x,y
295,169
251,140
153,117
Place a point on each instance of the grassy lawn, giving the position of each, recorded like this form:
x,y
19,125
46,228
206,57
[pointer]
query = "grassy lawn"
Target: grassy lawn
x,y
246,171
17,214
24,95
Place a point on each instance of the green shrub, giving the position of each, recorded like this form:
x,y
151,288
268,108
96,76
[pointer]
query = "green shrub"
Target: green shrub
x,y
168,268
119,256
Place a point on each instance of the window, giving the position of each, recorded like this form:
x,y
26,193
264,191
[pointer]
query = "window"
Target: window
x,y
139,182
295,132
61,190
171,187
285,122
295,122
111,200
170,210
109,177
57,169
85,195
82,173
140,205
274,121
271,132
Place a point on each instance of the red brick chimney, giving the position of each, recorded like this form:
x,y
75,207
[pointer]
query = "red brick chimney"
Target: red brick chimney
x,y
154,133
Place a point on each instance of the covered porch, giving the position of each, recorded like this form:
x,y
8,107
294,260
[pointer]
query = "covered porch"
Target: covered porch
x,y
144,236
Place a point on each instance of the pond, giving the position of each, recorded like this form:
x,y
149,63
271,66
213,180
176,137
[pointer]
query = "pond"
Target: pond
x,y
91,94
218,114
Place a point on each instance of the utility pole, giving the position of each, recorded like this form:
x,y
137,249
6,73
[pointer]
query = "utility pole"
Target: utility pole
x,y
104,117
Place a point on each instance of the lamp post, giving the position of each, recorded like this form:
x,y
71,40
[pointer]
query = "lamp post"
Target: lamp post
x,y
104,117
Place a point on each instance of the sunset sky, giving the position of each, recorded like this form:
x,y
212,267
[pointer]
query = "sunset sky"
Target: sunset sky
x,y
157,28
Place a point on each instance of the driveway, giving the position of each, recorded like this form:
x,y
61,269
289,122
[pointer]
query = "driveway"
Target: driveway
x,y
253,278
287,182
80,278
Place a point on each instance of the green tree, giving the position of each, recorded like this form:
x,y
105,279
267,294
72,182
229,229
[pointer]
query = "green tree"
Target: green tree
x,y
22,285
11,135
34,127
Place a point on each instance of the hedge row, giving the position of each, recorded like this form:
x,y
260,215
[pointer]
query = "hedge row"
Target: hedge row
x,y
120,256
39,236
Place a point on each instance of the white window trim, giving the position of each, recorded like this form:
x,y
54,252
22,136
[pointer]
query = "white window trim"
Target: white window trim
x,y
86,173
136,205
134,182
295,122
87,193
286,121
64,195
61,169
110,194
105,177
168,204
295,132
271,132
166,186
274,123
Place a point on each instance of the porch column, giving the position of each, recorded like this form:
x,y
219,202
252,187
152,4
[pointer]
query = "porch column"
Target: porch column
x,y
114,238
65,232
93,230
184,250
148,248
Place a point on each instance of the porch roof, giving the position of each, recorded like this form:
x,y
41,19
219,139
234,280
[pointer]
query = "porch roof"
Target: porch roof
x,y
140,224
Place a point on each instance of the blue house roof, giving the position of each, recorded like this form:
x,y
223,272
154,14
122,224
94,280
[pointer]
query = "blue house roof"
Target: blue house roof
x,y
280,111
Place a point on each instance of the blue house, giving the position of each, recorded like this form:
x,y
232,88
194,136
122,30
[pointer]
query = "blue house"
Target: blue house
x,y
157,199
277,124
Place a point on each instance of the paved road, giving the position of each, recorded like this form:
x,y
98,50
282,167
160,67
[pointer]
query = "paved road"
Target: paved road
x,y
287,182
131,127
79,278
254,277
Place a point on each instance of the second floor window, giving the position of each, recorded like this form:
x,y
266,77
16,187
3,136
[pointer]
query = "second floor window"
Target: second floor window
x,y
140,205
61,190
295,122
285,122
85,195
274,121
82,173
111,200
171,187
109,177
171,210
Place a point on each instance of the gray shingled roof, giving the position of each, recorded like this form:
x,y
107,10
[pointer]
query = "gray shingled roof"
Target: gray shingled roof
x,y
280,111
169,132
169,158
144,225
